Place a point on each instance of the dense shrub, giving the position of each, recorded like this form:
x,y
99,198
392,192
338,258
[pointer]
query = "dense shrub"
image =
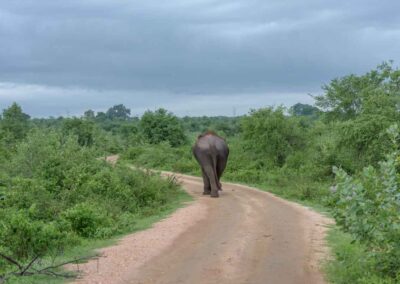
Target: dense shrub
x,y
24,237
14,124
83,129
85,219
55,193
163,156
162,126
368,207
272,134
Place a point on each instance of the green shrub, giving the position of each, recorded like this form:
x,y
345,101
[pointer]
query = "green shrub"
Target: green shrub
x,y
162,126
368,207
163,156
86,219
272,134
55,193
25,238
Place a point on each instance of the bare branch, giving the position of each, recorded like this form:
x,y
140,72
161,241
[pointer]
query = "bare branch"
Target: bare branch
x,y
29,270
65,263
9,259
52,273
29,265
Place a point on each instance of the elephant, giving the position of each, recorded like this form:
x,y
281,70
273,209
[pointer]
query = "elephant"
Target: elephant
x,y
211,152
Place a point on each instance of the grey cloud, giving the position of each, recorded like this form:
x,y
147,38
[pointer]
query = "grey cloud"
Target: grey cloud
x,y
190,47
73,101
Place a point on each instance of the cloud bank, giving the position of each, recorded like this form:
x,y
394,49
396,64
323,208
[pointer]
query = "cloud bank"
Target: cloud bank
x,y
58,56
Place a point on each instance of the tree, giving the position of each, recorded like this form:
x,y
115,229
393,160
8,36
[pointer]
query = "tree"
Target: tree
x,y
81,128
118,112
89,114
346,97
101,116
162,126
361,107
14,124
272,134
304,110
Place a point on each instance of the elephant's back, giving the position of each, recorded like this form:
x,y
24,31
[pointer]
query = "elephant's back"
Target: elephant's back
x,y
211,142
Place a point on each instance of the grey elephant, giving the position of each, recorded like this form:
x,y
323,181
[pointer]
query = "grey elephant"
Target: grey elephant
x,y
211,152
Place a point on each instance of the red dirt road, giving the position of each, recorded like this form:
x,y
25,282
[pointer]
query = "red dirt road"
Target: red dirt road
x,y
245,236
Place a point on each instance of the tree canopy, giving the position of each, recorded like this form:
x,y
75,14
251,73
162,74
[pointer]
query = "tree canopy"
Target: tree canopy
x,y
162,126
118,112
14,124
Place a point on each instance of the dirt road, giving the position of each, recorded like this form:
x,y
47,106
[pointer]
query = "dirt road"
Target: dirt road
x,y
245,236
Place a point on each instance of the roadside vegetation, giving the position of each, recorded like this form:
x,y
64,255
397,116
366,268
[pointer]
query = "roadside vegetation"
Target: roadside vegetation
x,y
340,153
56,194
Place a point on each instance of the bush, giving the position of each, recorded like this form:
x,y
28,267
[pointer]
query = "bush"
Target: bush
x,y
163,156
83,129
272,134
368,207
24,238
162,126
86,219
55,193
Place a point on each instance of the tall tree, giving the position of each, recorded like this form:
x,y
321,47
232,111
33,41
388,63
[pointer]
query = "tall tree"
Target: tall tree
x,y
347,97
304,110
162,126
272,134
14,124
118,112
89,115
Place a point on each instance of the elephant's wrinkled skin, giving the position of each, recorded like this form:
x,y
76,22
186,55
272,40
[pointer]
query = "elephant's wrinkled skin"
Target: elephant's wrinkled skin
x,y
211,152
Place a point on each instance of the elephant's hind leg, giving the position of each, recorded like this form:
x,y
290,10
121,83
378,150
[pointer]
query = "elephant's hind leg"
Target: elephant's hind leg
x,y
221,165
212,179
207,185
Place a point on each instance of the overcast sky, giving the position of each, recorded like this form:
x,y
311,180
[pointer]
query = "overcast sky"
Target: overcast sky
x,y
193,57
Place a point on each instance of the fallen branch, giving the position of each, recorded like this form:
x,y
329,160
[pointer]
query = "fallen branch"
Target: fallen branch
x,y
52,273
65,263
28,270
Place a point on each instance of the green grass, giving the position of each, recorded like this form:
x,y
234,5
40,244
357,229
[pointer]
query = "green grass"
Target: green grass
x,y
88,247
350,263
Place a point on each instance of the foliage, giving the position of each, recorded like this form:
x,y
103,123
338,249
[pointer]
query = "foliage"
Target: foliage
x,y
83,129
162,126
224,125
118,112
304,110
164,157
23,237
272,134
352,264
347,97
89,114
14,124
368,207
56,193
85,219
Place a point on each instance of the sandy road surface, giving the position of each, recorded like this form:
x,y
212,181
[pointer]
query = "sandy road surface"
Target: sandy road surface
x,y
245,236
